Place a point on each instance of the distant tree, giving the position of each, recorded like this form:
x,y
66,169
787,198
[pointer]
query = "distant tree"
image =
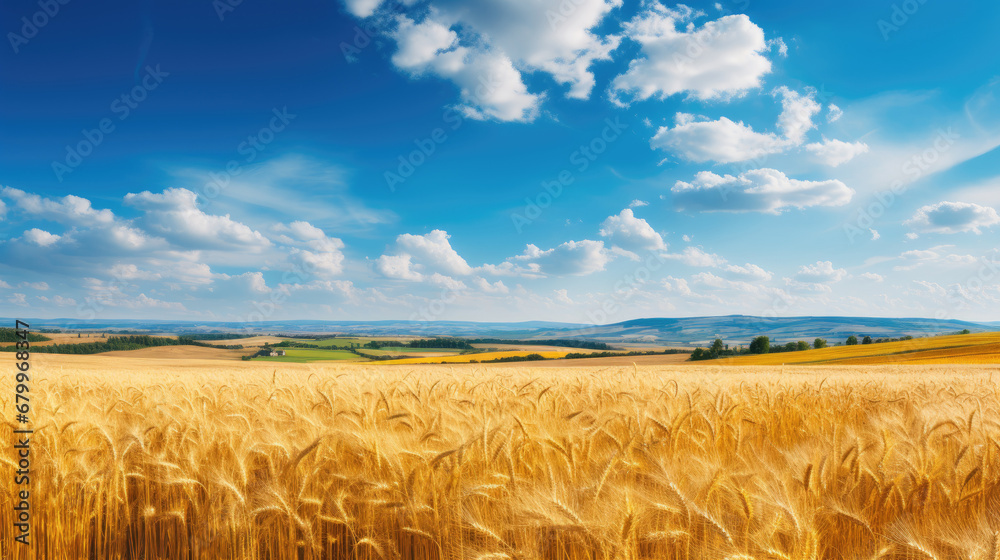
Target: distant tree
x,y
819,343
852,340
698,354
760,345
866,340
791,347
717,347
802,345
964,331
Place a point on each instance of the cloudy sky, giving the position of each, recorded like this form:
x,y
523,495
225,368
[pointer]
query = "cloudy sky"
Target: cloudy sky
x,y
587,161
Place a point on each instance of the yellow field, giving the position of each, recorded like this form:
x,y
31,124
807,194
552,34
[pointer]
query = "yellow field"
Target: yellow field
x,y
983,348
170,459
482,356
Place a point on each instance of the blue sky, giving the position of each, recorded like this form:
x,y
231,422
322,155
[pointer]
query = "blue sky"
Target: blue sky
x,y
583,160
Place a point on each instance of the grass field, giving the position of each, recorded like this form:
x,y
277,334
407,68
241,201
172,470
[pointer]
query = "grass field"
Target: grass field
x,y
981,348
467,358
157,459
303,355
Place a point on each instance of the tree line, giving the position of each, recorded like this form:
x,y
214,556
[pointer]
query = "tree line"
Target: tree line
x,y
762,345
8,334
118,343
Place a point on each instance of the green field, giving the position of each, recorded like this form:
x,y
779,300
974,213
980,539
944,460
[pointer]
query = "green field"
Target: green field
x,y
302,355
339,342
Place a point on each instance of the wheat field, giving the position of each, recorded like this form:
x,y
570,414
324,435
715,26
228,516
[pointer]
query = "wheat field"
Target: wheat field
x,y
977,348
205,460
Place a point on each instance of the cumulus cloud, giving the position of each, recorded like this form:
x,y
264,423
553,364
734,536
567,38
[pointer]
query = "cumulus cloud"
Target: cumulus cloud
x,y
41,237
174,215
953,217
833,113
836,152
722,58
797,111
484,285
484,47
637,203
573,258
362,8
321,255
748,271
872,276
631,233
697,139
70,210
428,257
822,272
434,251
693,256
758,190
934,256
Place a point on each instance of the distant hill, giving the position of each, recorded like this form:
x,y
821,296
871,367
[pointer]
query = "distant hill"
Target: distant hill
x,y
686,331
739,329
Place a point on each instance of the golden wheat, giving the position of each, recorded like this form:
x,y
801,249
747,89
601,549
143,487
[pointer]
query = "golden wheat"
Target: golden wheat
x,y
451,462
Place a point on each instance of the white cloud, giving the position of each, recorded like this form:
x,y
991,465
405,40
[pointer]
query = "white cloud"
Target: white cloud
x,y
873,277
935,256
484,47
748,271
637,203
323,256
695,138
758,190
953,217
797,111
722,141
573,258
693,256
174,214
427,257
40,286
630,233
822,272
722,58
434,251
836,152
875,234
397,266
18,300
484,285
362,8
41,237
71,210
833,113
322,264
